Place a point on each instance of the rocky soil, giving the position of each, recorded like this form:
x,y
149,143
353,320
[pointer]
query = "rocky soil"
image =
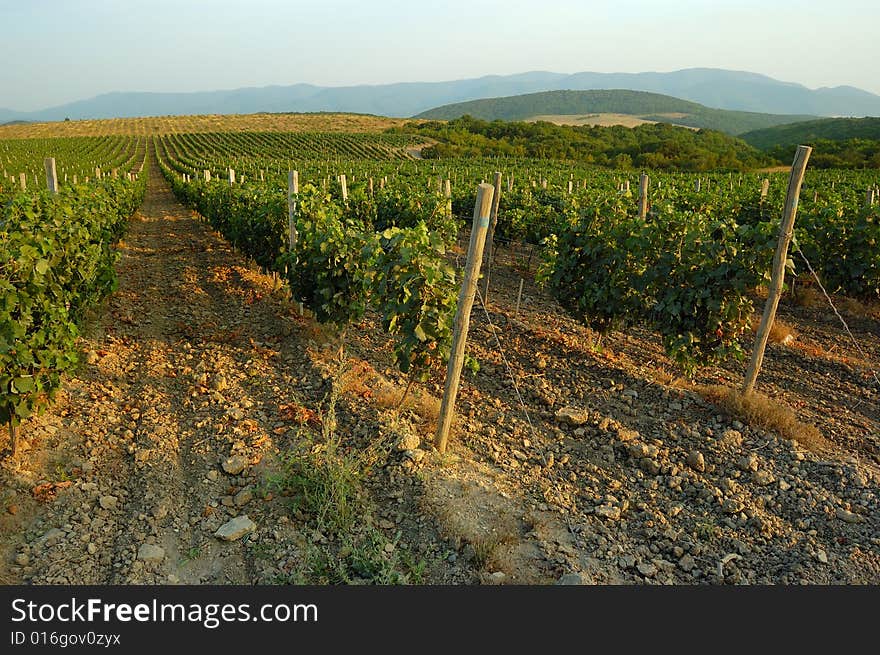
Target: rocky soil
x,y
167,457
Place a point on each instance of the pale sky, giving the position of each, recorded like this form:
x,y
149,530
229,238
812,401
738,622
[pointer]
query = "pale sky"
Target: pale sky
x,y
57,51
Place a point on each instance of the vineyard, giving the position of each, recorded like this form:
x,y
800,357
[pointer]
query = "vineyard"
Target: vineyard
x,y
300,324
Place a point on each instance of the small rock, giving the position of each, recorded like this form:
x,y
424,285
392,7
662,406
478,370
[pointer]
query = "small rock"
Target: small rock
x,y
647,569
572,416
732,438
625,434
385,524
243,497
108,502
748,462
219,383
151,553
847,516
696,460
92,357
497,577
763,477
608,511
236,528
732,506
686,563
650,466
409,441
22,559
784,486
51,536
822,556
235,464
213,474
573,579
92,548
416,454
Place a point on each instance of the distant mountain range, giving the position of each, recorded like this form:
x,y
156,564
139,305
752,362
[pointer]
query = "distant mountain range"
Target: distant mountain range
x,y
715,88
639,104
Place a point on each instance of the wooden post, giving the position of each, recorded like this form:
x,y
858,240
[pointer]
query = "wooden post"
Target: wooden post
x,y
51,175
371,187
570,184
490,237
97,173
447,189
869,197
518,297
786,229
22,179
626,187
207,175
344,187
765,187
697,186
13,438
482,211
231,177
643,196
292,194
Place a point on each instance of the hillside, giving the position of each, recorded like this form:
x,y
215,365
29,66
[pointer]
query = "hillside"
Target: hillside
x,y
725,89
831,129
657,146
645,106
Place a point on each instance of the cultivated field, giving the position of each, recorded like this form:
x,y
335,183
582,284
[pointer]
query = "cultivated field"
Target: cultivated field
x,y
255,404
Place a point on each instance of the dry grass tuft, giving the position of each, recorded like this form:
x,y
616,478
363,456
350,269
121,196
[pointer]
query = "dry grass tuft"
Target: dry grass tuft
x,y
761,411
782,333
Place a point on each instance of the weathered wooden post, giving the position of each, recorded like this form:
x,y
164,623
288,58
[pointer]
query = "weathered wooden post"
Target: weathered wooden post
x,y
490,237
786,231
22,179
292,195
482,211
51,175
765,187
231,177
518,297
207,175
344,186
643,196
